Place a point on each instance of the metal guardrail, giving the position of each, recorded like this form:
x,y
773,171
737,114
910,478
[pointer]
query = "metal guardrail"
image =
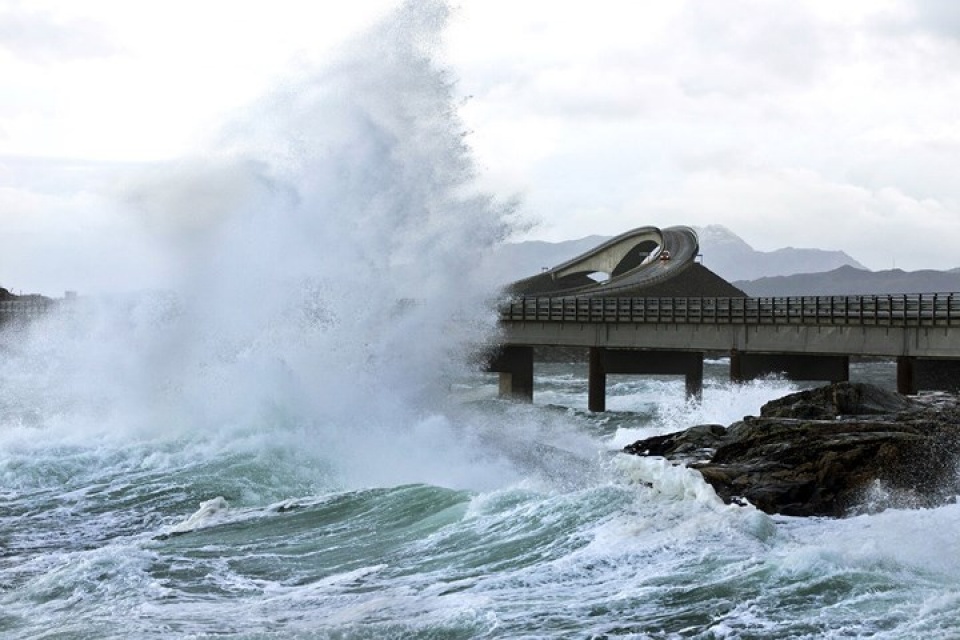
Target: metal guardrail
x,y
914,310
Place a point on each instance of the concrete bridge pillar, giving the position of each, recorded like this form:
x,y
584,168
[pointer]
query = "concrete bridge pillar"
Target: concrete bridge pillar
x,y
906,383
597,381
632,361
749,366
515,366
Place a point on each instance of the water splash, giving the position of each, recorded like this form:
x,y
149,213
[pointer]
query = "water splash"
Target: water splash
x,y
326,255
722,403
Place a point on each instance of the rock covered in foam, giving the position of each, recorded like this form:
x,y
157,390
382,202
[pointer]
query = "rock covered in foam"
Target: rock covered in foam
x,y
827,452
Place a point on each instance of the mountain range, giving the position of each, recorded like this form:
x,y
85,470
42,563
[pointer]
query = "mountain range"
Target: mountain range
x,y
783,272
847,280
730,257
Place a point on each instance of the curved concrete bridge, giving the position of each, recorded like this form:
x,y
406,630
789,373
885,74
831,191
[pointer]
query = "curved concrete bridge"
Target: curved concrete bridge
x,y
629,263
661,316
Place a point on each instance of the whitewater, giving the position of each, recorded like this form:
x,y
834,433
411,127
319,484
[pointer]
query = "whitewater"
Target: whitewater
x,y
293,439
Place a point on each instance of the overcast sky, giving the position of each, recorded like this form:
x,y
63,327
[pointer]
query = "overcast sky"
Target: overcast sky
x,y
806,123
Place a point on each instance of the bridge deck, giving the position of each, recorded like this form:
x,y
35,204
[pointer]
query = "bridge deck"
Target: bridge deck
x,y
922,326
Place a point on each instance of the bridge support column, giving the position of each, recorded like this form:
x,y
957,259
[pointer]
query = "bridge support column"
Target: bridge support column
x,y
736,370
597,381
916,374
632,361
906,382
694,377
748,366
515,366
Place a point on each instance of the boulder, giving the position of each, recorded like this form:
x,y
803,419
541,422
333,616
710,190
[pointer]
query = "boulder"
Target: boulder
x,y
832,451
693,445
839,399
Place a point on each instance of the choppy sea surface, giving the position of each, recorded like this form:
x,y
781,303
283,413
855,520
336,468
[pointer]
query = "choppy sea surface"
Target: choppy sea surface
x,y
534,527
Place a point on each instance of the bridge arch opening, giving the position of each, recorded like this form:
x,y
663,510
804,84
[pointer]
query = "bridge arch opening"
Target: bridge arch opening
x,y
638,255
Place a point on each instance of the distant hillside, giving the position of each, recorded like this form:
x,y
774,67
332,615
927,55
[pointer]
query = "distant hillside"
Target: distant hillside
x,y
850,281
728,255
722,251
522,259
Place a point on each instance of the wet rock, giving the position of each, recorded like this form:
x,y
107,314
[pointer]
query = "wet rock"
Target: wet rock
x,y
693,445
839,399
827,452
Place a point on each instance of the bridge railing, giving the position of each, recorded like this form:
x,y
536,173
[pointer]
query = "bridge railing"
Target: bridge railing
x,y
24,309
914,310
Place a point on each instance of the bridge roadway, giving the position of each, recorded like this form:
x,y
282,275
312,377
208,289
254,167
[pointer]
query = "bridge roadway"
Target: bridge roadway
x,y
805,338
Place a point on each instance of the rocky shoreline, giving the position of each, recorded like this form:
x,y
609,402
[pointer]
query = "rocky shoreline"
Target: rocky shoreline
x,y
837,450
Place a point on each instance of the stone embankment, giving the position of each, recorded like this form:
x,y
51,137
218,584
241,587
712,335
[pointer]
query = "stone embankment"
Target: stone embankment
x,y
834,451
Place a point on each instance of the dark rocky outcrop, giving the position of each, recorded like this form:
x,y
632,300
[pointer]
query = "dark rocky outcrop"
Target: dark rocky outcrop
x,y
837,400
833,451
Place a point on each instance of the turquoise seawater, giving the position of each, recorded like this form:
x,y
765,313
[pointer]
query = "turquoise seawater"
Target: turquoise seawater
x,y
543,531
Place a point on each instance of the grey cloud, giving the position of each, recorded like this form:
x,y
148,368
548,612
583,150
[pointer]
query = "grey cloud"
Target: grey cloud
x,y
940,17
744,47
616,86
40,37
937,19
736,49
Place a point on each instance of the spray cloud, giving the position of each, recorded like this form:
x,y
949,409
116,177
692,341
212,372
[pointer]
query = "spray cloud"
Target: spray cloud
x,y
326,255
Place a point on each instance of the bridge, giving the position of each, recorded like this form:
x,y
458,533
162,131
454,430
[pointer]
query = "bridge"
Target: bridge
x,y
24,309
804,338
629,331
